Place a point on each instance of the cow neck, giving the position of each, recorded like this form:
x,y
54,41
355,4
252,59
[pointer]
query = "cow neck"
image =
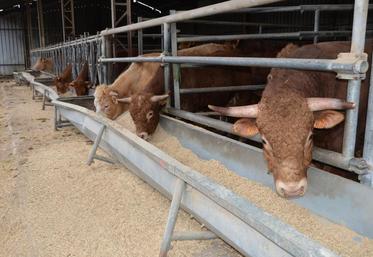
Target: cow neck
x,y
124,83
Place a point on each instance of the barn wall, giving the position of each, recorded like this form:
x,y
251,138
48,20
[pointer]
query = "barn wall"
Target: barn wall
x,y
12,52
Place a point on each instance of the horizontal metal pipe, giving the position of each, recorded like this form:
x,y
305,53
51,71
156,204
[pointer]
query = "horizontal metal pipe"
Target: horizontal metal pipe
x,y
220,89
236,23
282,35
301,8
289,63
322,155
206,121
223,7
193,235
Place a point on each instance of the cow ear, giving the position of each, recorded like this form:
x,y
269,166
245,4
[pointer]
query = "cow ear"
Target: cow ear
x,y
327,119
245,127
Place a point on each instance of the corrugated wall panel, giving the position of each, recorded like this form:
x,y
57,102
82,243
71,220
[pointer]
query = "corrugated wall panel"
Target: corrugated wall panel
x,y
11,44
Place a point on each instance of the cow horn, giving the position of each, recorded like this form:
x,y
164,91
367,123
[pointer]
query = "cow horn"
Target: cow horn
x,y
247,111
321,103
113,93
157,98
125,100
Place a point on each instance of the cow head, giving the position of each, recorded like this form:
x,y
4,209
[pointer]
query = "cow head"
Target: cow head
x,y
81,87
60,84
106,102
43,64
144,109
286,129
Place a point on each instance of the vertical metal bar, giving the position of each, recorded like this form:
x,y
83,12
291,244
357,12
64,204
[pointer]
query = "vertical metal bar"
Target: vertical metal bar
x,y
113,7
316,25
129,33
353,90
176,72
55,119
368,141
172,217
44,99
166,51
40,23
140,40
63,20
92,153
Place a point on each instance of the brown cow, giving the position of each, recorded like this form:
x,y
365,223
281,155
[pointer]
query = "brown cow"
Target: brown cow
x,y
136,78
142,104
80,86
62,79
293,104
43,64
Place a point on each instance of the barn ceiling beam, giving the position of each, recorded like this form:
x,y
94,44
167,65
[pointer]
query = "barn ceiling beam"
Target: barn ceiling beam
x,y
68,19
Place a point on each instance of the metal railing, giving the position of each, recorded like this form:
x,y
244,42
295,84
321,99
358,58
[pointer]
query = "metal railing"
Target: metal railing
x,y
352,69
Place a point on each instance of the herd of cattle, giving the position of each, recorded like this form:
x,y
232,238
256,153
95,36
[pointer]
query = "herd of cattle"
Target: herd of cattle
x,y
296,110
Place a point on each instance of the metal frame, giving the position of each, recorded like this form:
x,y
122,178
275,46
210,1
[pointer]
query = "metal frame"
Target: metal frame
x,y
355,72
68,19
118,18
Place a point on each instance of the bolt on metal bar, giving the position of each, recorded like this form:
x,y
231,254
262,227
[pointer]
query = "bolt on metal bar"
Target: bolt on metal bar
x,y
353,90
289,63
220,89
191,14
172,216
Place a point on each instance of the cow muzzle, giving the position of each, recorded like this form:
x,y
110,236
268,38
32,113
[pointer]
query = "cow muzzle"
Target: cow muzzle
x,y
144,135
291,189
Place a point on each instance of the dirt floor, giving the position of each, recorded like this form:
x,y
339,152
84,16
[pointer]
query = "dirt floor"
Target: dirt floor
x,y
53,204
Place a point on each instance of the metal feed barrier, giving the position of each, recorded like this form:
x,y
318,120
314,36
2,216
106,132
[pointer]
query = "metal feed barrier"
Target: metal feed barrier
x,y
353,70
230,217
225,214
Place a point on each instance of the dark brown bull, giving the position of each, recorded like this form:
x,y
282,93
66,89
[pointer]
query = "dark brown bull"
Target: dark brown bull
x,y
62,79
293,104
195,78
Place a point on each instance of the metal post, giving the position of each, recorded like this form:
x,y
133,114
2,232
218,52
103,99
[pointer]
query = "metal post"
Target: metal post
x,y
92,154
367,179
172,217
316,25
176,72
140,40
44,99
68,19
166,51
40,23
353,90
129,34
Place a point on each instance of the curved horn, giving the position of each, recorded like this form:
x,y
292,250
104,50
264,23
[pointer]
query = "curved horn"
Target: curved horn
x,y
157,98
113,93
321,103
125,100
247,111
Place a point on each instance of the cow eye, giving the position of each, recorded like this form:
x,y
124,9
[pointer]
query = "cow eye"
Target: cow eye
x,y
149,115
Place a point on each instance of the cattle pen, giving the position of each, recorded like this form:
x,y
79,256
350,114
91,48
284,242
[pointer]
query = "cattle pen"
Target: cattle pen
x,y
222,207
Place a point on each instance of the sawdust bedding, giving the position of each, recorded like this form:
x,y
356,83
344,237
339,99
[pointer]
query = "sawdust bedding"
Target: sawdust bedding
x,y
53,204
335,237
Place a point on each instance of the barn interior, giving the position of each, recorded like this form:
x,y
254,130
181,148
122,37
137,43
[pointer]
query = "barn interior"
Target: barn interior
x,y
71,32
